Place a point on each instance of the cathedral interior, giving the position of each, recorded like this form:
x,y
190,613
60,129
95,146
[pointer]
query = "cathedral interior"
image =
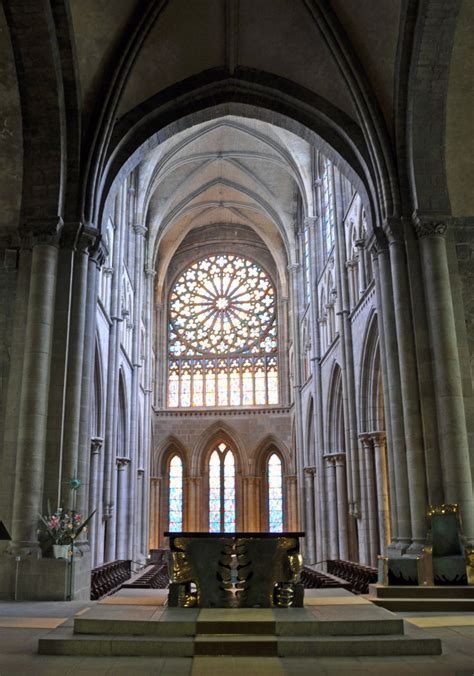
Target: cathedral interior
x,y
236,276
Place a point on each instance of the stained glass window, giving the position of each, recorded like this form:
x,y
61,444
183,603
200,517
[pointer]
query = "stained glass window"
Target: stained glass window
x,y
327,199
222,490
222,335
275,494
175,503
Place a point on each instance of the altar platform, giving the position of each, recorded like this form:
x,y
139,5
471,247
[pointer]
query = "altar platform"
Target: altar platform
x,y
333,623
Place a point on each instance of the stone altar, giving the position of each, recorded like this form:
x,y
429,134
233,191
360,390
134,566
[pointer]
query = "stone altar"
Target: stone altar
x,y
235,570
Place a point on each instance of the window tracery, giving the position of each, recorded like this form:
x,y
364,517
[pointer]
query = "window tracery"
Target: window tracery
x,y
222,335
222,508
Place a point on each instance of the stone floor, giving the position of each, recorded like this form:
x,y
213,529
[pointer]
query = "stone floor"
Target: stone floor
x,y
23,623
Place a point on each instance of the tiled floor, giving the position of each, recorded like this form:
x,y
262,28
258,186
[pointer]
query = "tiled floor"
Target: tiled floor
x,y
22,624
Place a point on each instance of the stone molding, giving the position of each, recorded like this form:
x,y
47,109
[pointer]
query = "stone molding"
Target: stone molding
x,y
217,413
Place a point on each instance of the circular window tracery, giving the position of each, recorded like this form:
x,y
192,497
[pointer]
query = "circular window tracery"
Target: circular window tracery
x,y
222,304
222,335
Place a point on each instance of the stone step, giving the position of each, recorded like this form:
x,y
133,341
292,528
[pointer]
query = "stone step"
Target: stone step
x,y
404,605
421,592
63,642
312,627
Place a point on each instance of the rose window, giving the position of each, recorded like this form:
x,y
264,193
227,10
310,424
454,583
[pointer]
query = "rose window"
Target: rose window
x,y
222,335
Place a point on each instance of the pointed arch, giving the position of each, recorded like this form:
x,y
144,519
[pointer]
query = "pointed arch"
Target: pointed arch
x,y
335,413
371,406
219,431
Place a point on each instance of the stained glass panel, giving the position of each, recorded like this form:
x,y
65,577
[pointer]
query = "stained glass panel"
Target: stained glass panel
x,y
222,306
175,504
222,490
275,494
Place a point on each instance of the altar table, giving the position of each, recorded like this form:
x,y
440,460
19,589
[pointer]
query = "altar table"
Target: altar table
x,y
235,570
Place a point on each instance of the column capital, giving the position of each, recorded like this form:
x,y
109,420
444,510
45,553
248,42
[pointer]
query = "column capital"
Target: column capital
x,y
96,445
393,228
150,272
367,441
310,471
122,462
293,268
99,252
429,225
310,221
378,438
140,229
155,480
340,459
41,231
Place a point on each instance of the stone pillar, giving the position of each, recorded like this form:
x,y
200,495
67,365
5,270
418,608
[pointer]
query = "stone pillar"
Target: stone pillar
x,y
362,273
398,462
371,515
451,414
94,495
251,503
316,386
33,403
13,392
387,406
74,375
333,552
383,502
195,509
409,388
89,493
122,504
155,512
341,489
293,524
309,526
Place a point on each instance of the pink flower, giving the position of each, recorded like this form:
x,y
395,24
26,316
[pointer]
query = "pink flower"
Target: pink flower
x,y
77,518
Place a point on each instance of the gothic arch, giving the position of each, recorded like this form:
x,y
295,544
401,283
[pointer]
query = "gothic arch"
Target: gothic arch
x,y
270,444
169,446
335,414
97,404
219,431
371,411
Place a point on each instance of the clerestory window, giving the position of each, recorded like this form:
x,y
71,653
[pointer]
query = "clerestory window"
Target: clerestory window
x,y
222,335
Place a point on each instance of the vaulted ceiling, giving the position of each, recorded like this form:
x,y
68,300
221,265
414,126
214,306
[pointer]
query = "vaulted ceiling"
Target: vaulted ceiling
x,y
81,73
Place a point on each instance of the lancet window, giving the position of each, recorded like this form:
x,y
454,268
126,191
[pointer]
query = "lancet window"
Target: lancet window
x,y
222,490
222,335
275,494
175,499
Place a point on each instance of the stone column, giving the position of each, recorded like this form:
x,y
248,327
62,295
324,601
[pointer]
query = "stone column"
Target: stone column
x,y
155,512
342,511
89,493
295,272
409,387
362,276
371,499
309,526
33,403
122,504
453,440
74,375
195,509
398,462
251,503
94,495
386,401
333,552
316,386
13,391
383,502
140,233
293,524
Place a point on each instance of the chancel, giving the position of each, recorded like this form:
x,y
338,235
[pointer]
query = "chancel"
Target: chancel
x,y
236,283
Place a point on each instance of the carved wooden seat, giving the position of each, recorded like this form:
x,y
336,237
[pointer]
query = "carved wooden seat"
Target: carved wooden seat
x,y
446,558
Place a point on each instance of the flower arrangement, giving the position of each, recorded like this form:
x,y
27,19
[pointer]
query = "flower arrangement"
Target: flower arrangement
x,y
64,526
